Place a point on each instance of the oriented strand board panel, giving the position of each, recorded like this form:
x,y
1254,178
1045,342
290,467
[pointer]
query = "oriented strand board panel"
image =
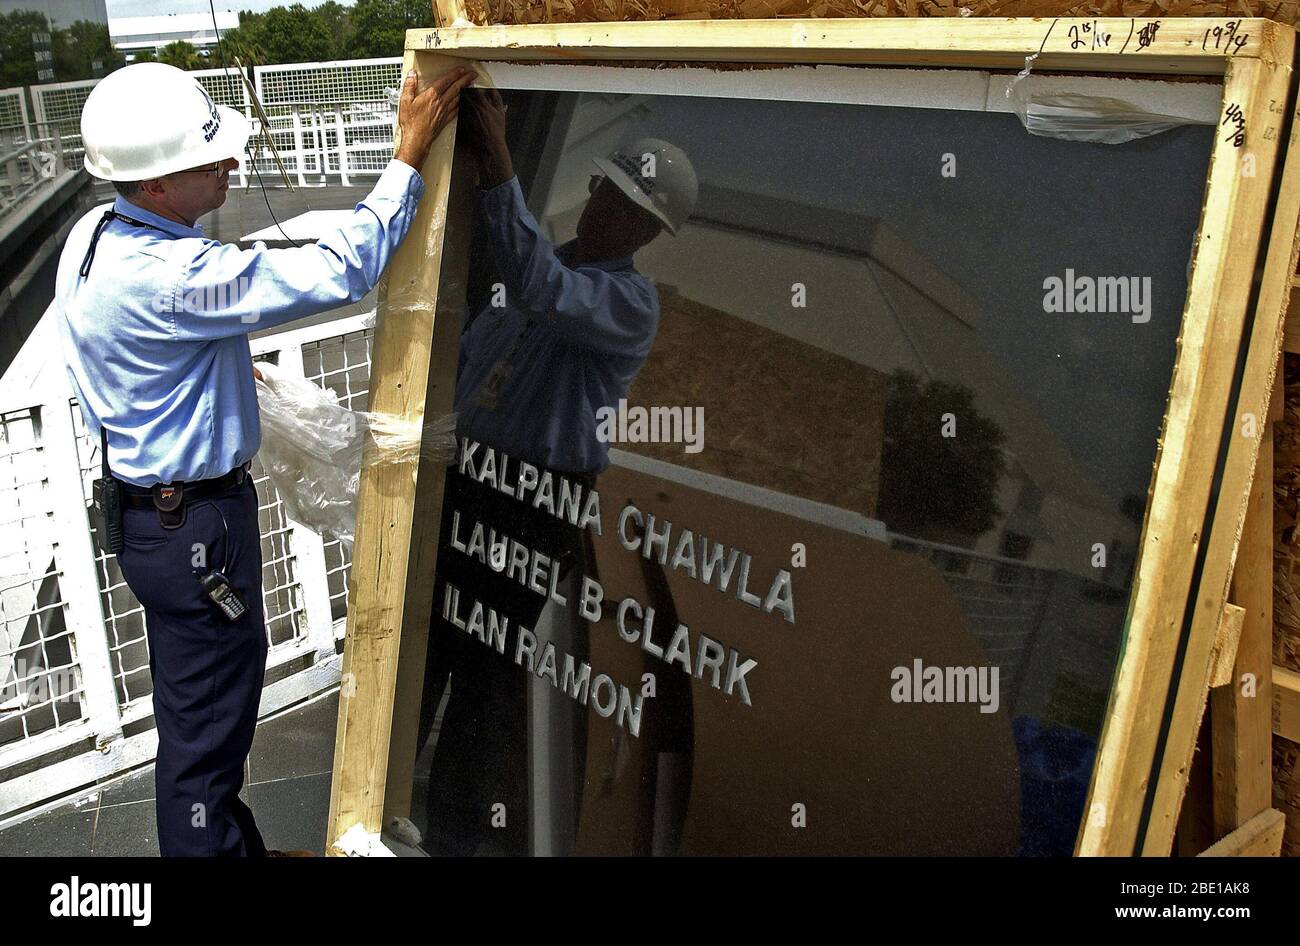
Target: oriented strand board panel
x,y
1286,791
775,398
1286,523
1286,602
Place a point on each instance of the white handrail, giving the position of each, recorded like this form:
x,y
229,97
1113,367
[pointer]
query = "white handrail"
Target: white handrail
x,y
37,382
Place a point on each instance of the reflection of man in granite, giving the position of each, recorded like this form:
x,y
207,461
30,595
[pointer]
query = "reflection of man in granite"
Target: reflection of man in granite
x,y
564,334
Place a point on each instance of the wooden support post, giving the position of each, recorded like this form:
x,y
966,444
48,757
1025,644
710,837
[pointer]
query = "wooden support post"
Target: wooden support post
x,y
412,376
1261,836
1241,712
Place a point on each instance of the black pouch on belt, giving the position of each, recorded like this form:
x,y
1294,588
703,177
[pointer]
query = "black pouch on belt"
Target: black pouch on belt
x,y
106,504
169,500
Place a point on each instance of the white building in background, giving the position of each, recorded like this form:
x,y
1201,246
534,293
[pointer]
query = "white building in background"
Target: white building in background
x,y
133,33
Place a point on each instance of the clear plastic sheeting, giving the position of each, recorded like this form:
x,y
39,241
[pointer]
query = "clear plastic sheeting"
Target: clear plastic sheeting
x,y
313,448
1073,116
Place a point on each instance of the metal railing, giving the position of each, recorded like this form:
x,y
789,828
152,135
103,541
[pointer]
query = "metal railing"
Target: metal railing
x,y
31,156
74,658
1004,599
13,107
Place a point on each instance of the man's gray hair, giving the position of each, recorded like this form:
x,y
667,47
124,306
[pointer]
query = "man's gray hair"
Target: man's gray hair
x,y
127,189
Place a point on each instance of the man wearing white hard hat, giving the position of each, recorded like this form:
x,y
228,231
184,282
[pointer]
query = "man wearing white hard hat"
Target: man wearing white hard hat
x,y
154,320
577,320
570,329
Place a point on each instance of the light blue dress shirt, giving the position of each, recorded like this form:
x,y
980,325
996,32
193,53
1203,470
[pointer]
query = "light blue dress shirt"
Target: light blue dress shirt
x,y
156,337
593,325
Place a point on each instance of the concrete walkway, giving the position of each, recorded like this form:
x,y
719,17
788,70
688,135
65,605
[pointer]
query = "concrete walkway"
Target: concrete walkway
x,y
287,784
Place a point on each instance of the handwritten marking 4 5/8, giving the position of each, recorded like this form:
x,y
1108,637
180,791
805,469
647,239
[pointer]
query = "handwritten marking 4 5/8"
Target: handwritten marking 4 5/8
x,y
1235,119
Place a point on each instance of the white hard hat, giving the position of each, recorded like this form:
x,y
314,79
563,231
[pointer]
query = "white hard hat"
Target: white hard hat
x,y
656,176
151,119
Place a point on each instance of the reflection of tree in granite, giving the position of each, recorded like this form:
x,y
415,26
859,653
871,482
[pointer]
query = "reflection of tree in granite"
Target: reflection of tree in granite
x,y
930,482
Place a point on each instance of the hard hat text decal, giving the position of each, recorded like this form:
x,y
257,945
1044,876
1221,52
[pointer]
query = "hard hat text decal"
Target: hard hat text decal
x,y
213,124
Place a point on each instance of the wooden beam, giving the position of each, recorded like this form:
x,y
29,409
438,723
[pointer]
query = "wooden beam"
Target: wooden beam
x,y
1286,703
1161,648
1241,712
1226,641
1261,836
1269,93
1188,45
391,589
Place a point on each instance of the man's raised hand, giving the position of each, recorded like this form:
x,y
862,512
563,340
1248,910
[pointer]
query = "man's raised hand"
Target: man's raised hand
x,y
422,115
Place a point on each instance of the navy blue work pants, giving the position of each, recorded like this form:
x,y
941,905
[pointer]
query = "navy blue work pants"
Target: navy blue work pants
x,y
207,670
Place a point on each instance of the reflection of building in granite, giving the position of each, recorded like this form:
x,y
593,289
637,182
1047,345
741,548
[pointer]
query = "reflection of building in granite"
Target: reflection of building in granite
x,y
794,401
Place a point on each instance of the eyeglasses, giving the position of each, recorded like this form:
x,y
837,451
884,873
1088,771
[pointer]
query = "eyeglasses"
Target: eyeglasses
x,y
214,168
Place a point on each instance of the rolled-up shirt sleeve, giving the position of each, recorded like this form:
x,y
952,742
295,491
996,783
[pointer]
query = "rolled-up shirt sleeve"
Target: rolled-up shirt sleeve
x,y
609,312
221,290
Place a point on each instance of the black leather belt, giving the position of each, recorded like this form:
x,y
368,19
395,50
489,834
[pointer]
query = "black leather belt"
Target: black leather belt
x,y
142,497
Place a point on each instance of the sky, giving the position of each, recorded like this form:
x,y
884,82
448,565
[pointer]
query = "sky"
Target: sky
x,y
118,8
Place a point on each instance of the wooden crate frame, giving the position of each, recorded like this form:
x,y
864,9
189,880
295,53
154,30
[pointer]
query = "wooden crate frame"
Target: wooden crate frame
x,y
1227,354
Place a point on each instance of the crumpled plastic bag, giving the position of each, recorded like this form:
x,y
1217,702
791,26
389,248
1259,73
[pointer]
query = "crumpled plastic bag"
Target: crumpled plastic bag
x,y
313,448
1073,116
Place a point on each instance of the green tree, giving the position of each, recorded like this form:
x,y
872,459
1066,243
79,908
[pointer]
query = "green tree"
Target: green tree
x,y
85,51
335,22
379,26
145,55
17,55
182,55
292,34
242,44
930,482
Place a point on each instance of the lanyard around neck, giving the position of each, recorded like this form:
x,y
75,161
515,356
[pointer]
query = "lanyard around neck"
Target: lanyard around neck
x,y
104,221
